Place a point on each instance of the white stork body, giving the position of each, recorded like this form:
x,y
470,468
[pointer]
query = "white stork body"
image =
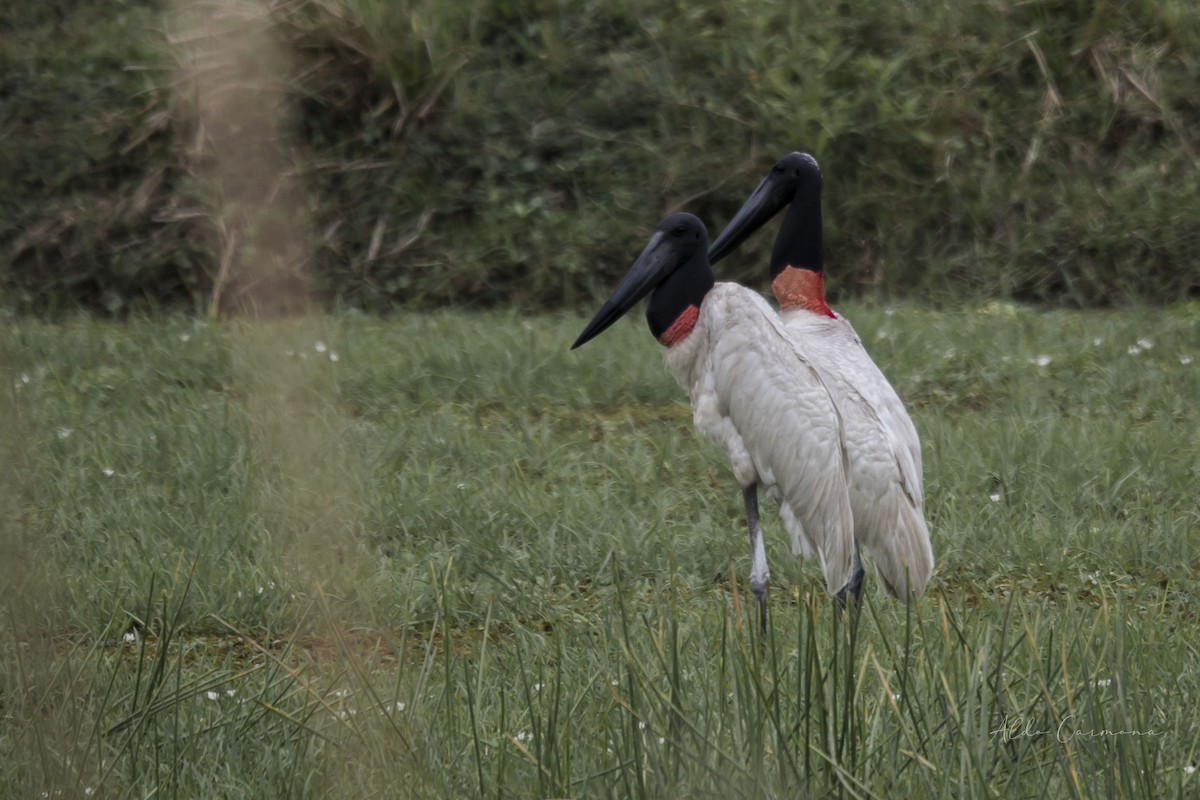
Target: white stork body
x,y
753,392
885,453
760,399
886,492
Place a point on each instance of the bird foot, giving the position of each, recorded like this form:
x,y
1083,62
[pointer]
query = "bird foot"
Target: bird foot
x,y
852,591
760,596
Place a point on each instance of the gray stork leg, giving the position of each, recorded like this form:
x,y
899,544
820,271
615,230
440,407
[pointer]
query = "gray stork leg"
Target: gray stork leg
x,y
853,586
760,574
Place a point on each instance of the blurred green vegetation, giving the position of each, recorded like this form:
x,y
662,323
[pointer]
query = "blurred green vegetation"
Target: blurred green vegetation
x,y
516,154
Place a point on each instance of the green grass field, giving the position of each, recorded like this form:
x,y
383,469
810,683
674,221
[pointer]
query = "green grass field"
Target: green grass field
x,y
441,556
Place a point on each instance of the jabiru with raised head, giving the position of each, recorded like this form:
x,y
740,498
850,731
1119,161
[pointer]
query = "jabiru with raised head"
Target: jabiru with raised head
x,y
886,492
753,394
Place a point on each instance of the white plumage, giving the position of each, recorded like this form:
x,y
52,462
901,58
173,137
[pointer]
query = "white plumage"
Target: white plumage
x,y
885,453
886,492
759,398
754,393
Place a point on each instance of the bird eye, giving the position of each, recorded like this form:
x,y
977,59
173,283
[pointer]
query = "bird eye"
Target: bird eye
x,y
680,230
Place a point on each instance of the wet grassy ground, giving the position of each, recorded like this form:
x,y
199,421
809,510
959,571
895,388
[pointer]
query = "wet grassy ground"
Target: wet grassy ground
x,y
441,555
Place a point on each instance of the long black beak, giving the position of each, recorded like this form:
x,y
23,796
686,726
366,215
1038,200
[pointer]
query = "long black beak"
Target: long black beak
x,y
762,204
657,261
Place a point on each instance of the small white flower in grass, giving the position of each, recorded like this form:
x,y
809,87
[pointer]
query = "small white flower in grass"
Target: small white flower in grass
x,y
662,740
1133,350
401,705
641,726
896,696
1099,340
537,687
183,337
1185,360
230,692
333,356
25,378
64,433
320,346
995,498
1102,683
212,695
522,736
463,486
108,472
1145,344
1040,361
88,791
1189,769
130,637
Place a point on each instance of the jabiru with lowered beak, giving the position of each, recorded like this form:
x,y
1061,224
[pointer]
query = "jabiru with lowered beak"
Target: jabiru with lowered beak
x,y
886,490
753,393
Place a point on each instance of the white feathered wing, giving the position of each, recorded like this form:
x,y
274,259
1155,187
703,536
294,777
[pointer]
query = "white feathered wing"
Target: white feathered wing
x,y
756,396
885,452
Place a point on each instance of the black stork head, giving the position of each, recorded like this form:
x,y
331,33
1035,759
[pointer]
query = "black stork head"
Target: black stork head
x,y
796,180
673,269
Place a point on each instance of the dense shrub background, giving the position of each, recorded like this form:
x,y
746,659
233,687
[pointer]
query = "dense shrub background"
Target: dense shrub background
x,y
506,153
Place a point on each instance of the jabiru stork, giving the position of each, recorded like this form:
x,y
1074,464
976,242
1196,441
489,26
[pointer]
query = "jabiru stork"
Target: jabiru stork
x,y
886,491
753,394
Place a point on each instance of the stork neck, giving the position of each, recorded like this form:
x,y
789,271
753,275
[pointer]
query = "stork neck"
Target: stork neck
x,y
798,243
681,328
797,288
797,261
674,306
